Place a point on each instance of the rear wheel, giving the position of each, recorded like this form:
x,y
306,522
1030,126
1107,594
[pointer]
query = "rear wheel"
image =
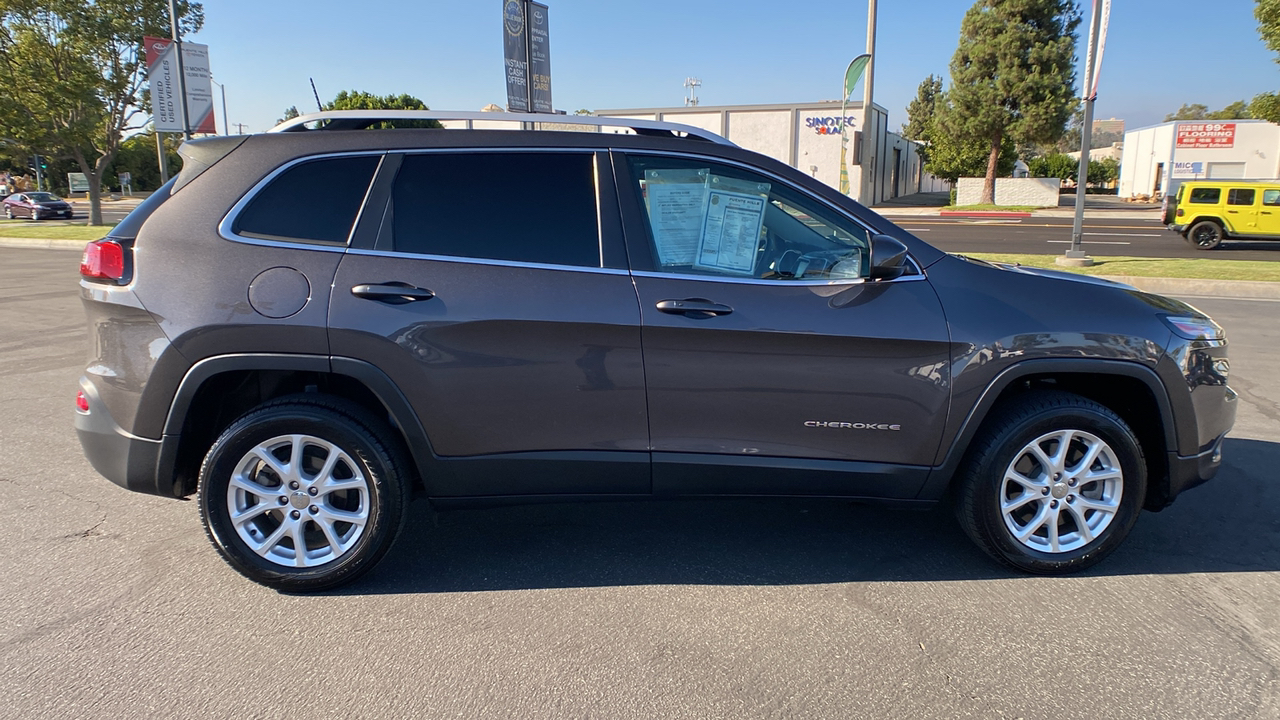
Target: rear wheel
x,y
1053,485
303,495
1205,235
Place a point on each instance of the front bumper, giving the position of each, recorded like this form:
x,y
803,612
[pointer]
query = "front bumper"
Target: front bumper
x,y
1188,472
126,460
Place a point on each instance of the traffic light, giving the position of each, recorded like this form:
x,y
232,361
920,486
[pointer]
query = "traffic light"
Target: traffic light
x,y
44,163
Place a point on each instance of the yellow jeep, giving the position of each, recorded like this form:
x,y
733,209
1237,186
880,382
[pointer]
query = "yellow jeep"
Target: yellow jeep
x,y
1206,212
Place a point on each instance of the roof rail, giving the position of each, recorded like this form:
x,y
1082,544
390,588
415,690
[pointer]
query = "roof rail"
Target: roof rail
x,y
361,119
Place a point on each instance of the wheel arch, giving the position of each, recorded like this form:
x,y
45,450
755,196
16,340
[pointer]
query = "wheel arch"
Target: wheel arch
x,y
1221,222
1133,391
217,390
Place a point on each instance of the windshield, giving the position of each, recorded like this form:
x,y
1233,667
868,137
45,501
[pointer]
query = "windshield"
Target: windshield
x,y
42,197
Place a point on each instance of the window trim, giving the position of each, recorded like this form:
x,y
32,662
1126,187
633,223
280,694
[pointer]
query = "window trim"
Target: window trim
x,y
624,172
1233,193
487,261
386,234
228,222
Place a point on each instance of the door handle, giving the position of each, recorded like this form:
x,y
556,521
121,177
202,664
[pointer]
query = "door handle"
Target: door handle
x,y
1266,212
697,308
392,293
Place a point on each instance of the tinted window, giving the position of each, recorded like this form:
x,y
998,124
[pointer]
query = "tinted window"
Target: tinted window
x,y
1271,197
1240,196
521,207
1208,196
704,218
314,201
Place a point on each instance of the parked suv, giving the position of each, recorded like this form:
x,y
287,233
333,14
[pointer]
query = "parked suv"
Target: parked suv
x,y
1210,211
306,326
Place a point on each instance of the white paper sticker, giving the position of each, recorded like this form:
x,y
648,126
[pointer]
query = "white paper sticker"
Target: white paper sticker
x,y
676,200
731,230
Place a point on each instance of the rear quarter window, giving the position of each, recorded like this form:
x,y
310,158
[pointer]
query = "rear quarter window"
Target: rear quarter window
x,y
315,201
1206,196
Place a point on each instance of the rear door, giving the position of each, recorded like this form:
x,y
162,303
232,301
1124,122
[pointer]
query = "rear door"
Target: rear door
x,y
765,348
1242,210
496,296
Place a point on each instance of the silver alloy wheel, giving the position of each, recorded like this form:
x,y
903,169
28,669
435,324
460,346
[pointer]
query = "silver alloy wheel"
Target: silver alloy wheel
x,y
298,501
1061,491
8,212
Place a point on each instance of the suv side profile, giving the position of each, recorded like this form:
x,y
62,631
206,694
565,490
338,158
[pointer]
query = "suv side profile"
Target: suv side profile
x,y
1207,212
309,325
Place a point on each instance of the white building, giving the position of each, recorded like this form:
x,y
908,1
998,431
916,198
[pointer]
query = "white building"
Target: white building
x,y
806,136
1158,158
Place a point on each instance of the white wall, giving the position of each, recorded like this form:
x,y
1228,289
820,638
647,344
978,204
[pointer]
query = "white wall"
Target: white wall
x,y
1037,192
1151,158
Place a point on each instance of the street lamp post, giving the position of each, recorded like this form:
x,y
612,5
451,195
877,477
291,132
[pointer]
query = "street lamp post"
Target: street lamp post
x,y
867,180
226,129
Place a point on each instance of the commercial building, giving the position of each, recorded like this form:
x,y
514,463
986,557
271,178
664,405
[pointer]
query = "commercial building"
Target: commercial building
x,y
1157,159
806,136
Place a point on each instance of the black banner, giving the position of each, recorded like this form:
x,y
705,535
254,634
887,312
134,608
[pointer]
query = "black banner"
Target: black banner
x,y
539,58
516,48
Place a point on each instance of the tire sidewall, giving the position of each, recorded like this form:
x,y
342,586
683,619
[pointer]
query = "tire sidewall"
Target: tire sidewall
x,y
1218,230
255,428
1129,456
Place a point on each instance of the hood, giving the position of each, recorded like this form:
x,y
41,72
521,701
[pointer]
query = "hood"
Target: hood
x,y
1058,274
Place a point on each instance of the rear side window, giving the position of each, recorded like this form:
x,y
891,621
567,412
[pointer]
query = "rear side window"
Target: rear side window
x,y
1240,196
536,207
314,201
1207,196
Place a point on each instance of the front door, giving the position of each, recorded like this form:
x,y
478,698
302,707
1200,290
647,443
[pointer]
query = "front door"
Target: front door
x,y
765,346
1269,213
487,301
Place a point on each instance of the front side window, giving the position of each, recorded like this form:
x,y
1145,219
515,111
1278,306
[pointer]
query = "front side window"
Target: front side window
x,y
1271,197
533,207
1240,196
1207,196
314,201
708,219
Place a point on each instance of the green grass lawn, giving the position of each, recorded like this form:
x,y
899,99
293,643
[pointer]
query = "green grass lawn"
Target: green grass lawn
x,y
991,208
42,231
1200,268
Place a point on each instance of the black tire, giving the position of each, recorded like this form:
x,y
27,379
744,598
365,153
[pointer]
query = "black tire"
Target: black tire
x,y
1205,235
1004,445
371,467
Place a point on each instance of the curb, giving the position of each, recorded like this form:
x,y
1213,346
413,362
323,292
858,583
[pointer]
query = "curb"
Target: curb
x,y
43,243
983,214
1198,287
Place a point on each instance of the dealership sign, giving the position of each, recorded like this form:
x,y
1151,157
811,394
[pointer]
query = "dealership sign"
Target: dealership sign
x,y
526,43
1206,135
162,73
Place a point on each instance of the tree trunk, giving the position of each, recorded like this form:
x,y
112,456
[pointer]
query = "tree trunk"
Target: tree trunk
x,y
95,194
993,160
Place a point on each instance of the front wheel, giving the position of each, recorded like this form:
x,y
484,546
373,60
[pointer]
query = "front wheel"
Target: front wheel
x,y
303,495
8,212
1205,235
1053,485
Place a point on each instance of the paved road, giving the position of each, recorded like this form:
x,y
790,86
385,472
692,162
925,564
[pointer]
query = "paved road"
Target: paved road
x,y
1102,236
115,606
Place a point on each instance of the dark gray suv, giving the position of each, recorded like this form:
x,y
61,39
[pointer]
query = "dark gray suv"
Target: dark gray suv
x,y
306,326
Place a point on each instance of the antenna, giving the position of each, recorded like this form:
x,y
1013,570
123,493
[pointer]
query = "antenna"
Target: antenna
x,y
313,92
692,83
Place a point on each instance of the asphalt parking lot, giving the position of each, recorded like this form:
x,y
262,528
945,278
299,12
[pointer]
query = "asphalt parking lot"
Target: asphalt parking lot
x,y
117,606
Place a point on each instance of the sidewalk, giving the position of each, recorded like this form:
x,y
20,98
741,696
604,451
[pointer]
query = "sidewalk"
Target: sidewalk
x,y
1105,206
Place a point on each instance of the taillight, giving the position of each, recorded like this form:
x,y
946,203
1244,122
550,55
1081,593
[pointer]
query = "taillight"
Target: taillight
x,y
1180,213
82,402
103,259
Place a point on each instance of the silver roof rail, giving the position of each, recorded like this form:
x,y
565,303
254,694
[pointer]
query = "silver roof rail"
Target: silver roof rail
x,y
361,119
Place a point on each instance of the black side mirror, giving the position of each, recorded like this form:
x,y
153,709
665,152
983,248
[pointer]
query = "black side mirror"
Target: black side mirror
x,y
888,257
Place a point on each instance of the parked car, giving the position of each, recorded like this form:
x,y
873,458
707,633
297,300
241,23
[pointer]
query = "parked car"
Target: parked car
x,y
37,206
488,316
1207,212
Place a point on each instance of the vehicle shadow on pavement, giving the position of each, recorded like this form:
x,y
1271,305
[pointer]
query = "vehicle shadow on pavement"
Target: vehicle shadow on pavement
x,y
1231,524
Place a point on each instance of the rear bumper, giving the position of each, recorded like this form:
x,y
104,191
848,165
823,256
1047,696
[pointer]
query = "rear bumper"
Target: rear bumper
x,y
126,460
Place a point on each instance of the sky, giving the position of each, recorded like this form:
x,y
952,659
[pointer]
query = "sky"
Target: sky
x,y
608,54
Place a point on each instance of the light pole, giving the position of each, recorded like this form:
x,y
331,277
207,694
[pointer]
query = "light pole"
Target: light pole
x,y
226,129
1076,256
867,180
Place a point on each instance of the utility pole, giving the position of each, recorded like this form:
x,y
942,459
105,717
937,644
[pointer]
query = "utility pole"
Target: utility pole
x,y
867,162
226,129
1076,256
182,73
39,175
239,128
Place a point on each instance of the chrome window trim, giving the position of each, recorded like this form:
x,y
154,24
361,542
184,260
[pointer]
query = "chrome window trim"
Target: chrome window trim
x,y
918,276
595,177
487,261
919,271
229,220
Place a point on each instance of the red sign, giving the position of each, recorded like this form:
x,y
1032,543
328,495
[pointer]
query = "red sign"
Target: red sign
x,y
1206,135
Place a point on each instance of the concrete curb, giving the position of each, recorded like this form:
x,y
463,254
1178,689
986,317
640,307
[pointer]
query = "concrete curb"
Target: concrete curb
x,y
43,243
983,214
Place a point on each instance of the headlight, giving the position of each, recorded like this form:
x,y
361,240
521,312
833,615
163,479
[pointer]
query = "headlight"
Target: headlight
x,y
1195,328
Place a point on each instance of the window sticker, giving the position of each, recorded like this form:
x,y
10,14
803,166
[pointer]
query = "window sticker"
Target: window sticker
x,y
731,226
676,200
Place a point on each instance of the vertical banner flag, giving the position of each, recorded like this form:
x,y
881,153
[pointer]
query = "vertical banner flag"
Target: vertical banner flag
x,y
852,75
162,74
1104,7
539,58
515,46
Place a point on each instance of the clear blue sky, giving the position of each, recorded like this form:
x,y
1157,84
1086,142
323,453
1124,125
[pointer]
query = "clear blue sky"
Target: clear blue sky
x,y
1160,53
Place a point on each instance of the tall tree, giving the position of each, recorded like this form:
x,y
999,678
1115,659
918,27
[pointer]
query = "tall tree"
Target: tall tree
x,y
356,100
1012,76
1265,107
1197,111
1267,13
1235,111
73,72
921,110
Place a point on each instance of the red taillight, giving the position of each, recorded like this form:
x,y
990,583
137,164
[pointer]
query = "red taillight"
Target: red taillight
x,y
82,402
103,259
1180,212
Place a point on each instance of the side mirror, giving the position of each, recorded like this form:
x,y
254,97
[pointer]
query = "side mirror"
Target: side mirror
x,y
888,257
